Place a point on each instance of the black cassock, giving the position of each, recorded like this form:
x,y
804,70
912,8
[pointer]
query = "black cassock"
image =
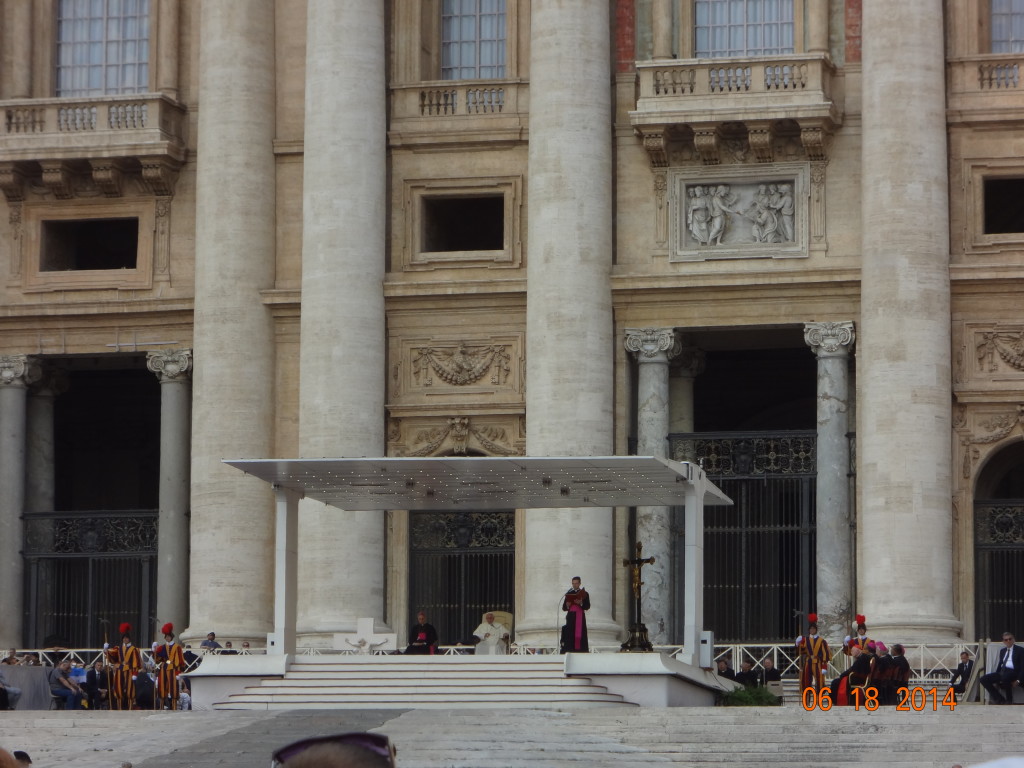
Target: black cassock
x,y
422,639
574,631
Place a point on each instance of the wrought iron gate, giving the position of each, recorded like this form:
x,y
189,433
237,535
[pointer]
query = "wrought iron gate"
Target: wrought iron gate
x,y
461,564
999,566
86,572
759,553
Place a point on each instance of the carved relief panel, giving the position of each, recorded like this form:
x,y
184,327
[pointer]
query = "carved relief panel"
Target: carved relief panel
x,y
989,358
482,369
487,435
740,212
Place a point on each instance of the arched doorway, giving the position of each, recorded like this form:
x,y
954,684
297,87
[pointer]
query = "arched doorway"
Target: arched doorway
x,y
999,543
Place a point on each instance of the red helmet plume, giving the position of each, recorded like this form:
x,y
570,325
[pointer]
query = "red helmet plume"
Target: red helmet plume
x,y
125,628
859,618
812,618
167,629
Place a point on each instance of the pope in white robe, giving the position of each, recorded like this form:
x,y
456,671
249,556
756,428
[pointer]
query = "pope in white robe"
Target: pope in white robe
x,y
492,636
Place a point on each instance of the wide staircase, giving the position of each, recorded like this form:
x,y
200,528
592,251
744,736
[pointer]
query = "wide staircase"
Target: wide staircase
x,y
418,682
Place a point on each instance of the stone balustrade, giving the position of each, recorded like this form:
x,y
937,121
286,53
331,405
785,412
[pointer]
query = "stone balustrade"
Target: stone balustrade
x,y
105,126
736,89
985,87
444,111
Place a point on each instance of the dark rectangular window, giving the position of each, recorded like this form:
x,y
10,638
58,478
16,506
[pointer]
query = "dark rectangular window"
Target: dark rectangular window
x,y
464,223
1004,206
89,244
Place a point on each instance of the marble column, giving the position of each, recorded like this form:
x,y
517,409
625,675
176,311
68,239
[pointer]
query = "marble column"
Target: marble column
x,y
342,359
653,348
231,565
17,372
831,342
173,368
904,369
569,326
685,368
40,459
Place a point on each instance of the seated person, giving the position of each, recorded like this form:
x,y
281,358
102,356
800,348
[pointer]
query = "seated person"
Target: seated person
x,y
747,676
724,670
210,643
97,686
491,637
11,657
63,686
145,690
958,681
9,694
422,637
1009,668
769,674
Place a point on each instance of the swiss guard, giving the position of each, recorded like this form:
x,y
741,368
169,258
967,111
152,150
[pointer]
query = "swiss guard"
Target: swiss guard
x,y
814,656
171,660
125,661
859,640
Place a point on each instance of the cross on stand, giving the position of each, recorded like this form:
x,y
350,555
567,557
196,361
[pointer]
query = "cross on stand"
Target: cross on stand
x,y
637,640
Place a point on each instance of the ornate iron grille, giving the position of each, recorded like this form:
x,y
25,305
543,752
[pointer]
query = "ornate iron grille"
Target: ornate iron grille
x,y
999,558
759,553
86,572
461,565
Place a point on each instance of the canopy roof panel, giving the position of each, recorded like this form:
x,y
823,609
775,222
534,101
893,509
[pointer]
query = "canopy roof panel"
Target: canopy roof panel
x,y
515,482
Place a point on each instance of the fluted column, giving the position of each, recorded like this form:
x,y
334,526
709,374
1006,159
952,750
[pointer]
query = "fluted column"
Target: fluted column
x,y
653,348
831,342
342,358
904,358
173,368
232,560
569,329
16,51
17,372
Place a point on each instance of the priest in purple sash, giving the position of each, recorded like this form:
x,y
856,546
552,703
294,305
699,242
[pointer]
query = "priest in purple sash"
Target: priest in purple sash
x,y
574,631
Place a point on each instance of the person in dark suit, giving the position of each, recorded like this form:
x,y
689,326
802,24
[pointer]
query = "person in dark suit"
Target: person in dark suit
x,y
1008,672
958,682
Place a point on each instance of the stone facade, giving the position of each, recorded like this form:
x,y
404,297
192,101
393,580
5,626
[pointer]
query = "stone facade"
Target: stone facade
x,y
358,256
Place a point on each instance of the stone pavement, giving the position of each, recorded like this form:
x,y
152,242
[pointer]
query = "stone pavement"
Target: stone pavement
x,y
466,738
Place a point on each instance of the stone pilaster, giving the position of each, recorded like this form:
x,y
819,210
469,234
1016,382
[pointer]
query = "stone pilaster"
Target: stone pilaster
x,y
904,369
685,368
173,368
831,342
654,348
342,360
16,40
569,327
17,372
232,556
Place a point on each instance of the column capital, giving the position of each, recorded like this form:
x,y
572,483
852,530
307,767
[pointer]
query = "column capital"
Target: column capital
x,y
19,371
170,364
830,339
653,345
